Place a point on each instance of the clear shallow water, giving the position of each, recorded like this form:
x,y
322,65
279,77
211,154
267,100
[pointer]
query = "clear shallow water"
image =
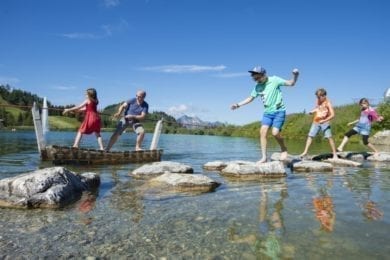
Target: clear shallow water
x,y
339,215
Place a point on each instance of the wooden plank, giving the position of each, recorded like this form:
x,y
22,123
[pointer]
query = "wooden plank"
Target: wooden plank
x,y
69,155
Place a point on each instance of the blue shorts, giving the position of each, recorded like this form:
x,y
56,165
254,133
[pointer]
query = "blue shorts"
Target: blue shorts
x,y
362,129
275,119
325,128
123,124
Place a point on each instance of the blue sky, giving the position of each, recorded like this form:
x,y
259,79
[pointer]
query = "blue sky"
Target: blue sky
x,y
192,56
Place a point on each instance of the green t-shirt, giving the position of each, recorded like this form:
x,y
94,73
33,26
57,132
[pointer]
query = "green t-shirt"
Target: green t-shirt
x,y
270,94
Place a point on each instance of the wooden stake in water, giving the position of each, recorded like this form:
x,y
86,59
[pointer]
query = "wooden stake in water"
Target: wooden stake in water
x,y
38,127
45,117
156,135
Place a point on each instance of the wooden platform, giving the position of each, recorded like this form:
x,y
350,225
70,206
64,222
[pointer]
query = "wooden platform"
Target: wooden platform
x,y
68,155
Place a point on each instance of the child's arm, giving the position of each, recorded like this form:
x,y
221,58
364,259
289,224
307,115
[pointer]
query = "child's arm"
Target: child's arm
x,y
79,107
353,122
374,116
313,111
120,110
244,102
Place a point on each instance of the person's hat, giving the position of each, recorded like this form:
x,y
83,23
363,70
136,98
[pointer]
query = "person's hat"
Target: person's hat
x,y
258,70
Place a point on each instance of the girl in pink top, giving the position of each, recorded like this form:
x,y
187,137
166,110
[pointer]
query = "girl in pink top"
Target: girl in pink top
x,y
368,115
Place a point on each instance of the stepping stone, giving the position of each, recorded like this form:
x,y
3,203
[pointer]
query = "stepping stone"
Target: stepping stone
x,y
311,166
159,168
219,165
380,157
343,162
255,171
185,182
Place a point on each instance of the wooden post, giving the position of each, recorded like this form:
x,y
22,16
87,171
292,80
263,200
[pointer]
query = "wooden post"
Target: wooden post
x,y
156,135
38,128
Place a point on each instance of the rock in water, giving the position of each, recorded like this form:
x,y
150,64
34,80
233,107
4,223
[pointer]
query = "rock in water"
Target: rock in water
x,y
46,188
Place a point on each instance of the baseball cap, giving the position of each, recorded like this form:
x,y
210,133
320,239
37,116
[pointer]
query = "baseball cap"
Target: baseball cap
x,y
258,70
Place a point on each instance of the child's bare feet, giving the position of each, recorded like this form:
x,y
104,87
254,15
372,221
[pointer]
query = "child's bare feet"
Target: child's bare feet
x,y
263,160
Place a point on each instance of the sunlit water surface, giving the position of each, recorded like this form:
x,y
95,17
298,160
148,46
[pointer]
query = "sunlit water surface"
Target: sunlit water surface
x,y
340,215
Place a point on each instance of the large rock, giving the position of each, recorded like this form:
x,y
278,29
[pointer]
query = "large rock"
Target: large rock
x,y
381,138
219,165
312,166
343,162
380,157
255,171
46,188
159,168
186,182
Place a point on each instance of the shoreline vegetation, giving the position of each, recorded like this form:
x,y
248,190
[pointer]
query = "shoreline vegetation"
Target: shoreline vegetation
x,y
15,114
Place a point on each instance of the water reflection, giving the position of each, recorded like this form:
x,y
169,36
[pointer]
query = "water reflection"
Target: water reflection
x,y
267,241
127,197
371,211
362,185
322,201
344,214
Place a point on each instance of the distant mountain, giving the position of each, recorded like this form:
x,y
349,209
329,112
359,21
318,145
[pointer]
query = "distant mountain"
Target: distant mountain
x,y
195,122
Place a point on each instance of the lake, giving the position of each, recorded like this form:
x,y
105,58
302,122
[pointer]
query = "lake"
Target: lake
x,y
340,215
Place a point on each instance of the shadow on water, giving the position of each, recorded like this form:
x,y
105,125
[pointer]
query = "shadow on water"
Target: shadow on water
x,y
344,214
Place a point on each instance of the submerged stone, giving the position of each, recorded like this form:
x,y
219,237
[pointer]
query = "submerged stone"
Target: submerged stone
x,y
186,182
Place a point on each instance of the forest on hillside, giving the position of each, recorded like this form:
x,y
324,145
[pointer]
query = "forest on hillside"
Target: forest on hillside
x,y
15,112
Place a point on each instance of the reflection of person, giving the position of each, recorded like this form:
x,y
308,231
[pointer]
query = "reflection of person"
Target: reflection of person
x,y
371,212
268,88
92,122
271,224
323,113
363,126
87,203
323,206
323,203
134,111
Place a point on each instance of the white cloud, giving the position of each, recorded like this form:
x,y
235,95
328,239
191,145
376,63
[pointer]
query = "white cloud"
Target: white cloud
x,y
231,75
61,87
177,111
184,68
83,36
111,3
107,30
4,80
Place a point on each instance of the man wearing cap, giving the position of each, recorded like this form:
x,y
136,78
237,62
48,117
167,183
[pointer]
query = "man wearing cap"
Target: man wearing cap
x,y
268,88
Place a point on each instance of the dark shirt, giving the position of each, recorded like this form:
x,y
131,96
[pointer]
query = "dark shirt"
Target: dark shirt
x,y
134,109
